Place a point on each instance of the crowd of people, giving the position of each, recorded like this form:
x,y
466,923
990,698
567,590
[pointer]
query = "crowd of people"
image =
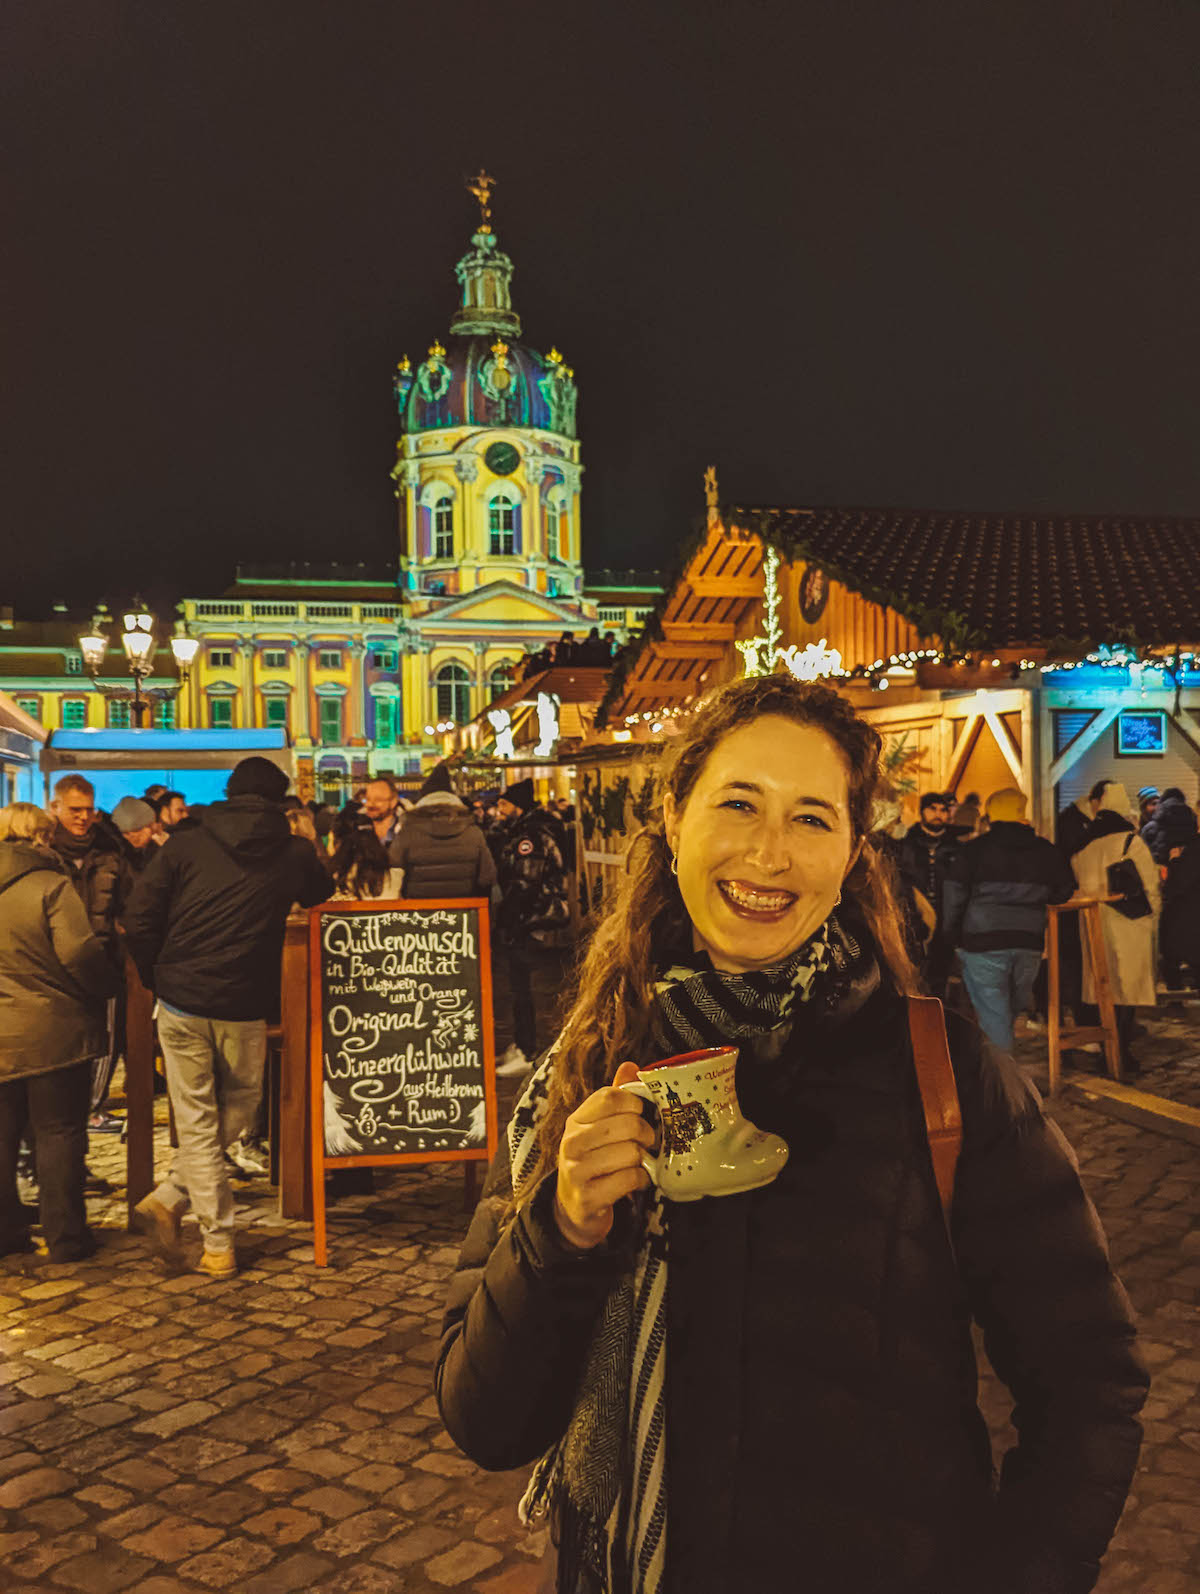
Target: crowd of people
x,y
592,650
976,882
200,897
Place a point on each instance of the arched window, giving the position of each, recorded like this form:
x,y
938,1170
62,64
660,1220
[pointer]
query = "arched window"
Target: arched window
x,y
452,690
501,678
443,529
502,525
557,524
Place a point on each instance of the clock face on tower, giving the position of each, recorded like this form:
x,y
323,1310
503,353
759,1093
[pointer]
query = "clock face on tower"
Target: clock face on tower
x,y
502,459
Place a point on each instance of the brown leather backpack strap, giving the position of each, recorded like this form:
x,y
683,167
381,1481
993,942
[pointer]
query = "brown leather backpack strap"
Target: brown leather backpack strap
x,y
939,1092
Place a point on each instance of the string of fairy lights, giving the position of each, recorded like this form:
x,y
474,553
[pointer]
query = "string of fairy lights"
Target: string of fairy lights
x,y
764,654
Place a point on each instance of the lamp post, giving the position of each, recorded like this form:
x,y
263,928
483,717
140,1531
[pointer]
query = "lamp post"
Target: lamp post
x,y
138,641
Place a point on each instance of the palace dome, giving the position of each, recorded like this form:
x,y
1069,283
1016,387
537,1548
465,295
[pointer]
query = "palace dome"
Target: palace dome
x,y
487,376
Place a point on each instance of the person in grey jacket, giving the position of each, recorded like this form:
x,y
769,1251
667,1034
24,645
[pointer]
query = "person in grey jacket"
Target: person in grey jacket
x,y
440,848
55,977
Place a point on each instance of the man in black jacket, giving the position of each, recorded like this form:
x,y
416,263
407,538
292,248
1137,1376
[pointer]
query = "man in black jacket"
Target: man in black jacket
x,y
205,926
994,911
924,857
533,896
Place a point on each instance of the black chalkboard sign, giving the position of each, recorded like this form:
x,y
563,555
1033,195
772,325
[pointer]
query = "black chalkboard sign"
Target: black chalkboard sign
x,y
403,1069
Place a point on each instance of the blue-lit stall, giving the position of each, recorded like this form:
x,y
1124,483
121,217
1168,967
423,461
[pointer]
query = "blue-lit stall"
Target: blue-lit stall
x,y
124,763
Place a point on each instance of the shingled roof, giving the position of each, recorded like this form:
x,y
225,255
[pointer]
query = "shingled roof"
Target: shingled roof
x,y
987,580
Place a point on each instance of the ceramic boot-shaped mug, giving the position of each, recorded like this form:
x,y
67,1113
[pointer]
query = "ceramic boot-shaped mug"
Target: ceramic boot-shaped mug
x,y
707,1148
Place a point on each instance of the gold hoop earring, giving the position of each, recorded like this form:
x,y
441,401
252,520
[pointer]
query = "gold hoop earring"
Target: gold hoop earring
x,y
838,899
674,864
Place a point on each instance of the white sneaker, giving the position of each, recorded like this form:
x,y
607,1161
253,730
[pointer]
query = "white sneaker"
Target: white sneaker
x,y
513,1062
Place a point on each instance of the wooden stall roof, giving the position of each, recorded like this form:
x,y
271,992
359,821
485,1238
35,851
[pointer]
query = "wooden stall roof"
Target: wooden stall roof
x,y
1006,580
693,625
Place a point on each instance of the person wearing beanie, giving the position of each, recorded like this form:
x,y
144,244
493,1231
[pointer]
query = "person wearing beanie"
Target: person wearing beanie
x,y
134,820
1172,825
533,898
924,857
1147,800
439,848
994,912
1128,942
205,925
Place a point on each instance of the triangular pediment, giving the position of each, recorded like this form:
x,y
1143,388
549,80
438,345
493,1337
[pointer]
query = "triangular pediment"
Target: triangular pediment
x,y
503,600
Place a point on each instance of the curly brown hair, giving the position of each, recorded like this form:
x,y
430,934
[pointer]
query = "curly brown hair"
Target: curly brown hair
x,y
609,1020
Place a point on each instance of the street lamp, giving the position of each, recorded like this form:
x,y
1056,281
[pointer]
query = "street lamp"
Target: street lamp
x,y
138,641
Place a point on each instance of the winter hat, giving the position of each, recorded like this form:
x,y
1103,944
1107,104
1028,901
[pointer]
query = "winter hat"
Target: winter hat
x,y
1147,791
1115,798
438,780
1174,793
257,777
520,794
131,813
930,798
1007,806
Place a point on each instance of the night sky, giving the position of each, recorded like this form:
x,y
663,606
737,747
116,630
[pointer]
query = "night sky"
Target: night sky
x,y
942,255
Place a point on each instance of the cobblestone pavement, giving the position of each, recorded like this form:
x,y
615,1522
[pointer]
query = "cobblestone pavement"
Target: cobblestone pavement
x,y
276,1432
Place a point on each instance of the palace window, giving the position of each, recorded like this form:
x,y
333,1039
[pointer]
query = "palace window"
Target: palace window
x,y
220,713
383,659
73,663
221,658
452,689
443,529
502,525
164,714
500,679
557,524
277,708
329,659
30,706
120,716
275,659
385,721
74,714
331,721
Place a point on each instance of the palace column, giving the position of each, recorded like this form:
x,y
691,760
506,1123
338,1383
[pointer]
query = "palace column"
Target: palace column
x,y
301,721
246,687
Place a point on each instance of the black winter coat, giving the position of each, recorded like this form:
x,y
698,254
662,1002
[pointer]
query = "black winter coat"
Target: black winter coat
x,y
99,874
1072,830
997,890
532,874
205,920
823,1427
1179,927
924,861
1173,824
442,852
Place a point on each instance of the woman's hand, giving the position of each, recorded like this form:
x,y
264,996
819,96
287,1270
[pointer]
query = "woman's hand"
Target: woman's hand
x,y
600,1160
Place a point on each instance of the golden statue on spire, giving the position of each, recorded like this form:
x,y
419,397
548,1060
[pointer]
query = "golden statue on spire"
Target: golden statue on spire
x,y
481,186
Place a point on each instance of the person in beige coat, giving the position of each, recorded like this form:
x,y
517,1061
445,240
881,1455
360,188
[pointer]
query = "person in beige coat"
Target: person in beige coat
x,y
1130,943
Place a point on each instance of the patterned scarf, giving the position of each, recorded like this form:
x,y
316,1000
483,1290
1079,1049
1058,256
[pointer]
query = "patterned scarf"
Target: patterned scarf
x,y
605,1481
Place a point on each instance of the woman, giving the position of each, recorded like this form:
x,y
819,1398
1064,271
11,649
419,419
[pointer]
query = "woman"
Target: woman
x,y
1130,943
55,977
359,865
795,1408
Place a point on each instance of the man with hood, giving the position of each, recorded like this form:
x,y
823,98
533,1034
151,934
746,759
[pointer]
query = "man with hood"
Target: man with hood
x,y
205,926
994,911
439,847
533,896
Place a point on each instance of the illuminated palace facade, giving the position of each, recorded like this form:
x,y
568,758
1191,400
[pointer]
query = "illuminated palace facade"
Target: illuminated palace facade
x,y
361,669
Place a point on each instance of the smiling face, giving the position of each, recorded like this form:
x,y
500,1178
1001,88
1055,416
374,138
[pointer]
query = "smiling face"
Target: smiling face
x,y
763,842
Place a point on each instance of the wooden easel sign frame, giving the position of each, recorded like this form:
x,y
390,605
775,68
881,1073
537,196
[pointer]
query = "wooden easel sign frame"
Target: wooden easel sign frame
x,y
402,1058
